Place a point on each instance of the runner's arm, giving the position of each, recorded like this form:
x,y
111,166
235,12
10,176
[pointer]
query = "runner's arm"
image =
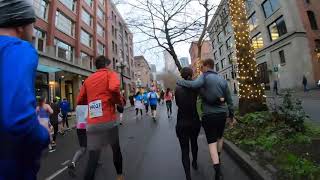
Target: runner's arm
x,y
82,97
199,82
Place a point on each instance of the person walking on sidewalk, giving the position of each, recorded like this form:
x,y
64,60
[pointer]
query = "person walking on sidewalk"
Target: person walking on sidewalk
x,y
65,109
162,97
216,102
305,83
101,92
153,99
188,122
22,137
81,121
54,121
138,103
275,87
168,97
131,99
120,108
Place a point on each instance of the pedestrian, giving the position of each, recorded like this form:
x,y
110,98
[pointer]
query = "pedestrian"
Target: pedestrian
x,y
81,121
305,83
153,99
54,120
168,97
146,101
188,122
120,108
65,109
216,102
162,97
44,111
22,137
138,103
131,99
275,87
101,92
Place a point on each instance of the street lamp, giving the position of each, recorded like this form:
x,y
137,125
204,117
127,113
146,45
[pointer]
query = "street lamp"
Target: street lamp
x,y
121,65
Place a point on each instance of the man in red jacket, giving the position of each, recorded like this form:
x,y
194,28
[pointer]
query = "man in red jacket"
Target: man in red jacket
x,y
101,92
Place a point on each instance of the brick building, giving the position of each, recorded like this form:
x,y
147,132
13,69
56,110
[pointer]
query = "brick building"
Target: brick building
x,y
206,52
68,35
142,72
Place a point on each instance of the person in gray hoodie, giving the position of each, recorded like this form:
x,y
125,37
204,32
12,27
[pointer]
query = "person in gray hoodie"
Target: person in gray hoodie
x,y
217,106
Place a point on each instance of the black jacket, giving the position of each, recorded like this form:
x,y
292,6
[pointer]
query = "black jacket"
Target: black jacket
x,y
186,100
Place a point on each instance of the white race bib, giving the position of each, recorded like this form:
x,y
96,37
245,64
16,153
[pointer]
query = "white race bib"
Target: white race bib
x,y
95,109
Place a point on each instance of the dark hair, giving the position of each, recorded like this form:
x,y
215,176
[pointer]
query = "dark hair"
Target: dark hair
x,y
186,73
168,90
55,100
102,62
208,62
41,101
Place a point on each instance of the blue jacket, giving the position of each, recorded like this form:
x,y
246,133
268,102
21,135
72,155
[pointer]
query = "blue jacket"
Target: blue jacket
x,y
65,107
145,98
22,138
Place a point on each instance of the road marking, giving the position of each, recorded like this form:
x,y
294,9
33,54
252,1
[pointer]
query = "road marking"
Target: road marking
x,y
65,163
56,173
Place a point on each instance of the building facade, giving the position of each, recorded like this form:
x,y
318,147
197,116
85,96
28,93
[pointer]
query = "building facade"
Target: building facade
x,y
279,39
68,35
206,52
169,64
142,72
184,61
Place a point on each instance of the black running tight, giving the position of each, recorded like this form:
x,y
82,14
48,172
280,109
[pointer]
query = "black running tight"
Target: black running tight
x,y
185,148
169,107
137,111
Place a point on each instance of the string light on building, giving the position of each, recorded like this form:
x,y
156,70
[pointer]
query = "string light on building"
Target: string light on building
x,y
249,88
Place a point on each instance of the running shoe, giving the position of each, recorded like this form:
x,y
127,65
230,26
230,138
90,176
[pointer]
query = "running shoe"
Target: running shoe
x,y
72,165
53,144
195,165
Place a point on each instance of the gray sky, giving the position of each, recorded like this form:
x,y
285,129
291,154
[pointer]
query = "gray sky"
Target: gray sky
x,y
155,56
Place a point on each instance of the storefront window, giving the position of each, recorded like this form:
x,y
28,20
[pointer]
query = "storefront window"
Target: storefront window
x,y
42,85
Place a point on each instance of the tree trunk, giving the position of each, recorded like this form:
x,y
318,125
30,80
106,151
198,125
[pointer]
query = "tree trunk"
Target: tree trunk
x,y
251,92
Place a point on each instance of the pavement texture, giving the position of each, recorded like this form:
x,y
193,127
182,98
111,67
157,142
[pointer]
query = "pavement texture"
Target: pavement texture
x,y
150,152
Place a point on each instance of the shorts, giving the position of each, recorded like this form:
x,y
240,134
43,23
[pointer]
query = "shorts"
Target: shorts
x,y
120,109
187,132
82,137
153,107
101,135
213,125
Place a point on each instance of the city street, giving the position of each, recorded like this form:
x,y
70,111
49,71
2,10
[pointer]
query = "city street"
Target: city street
x,y
150,152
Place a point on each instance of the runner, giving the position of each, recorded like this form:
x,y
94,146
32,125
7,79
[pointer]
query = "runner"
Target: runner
x,y
153,99
54,120
120,108
101,92
44,111
168,99
162,97
216,102
146,101
188,123
81,121
138,103
22,137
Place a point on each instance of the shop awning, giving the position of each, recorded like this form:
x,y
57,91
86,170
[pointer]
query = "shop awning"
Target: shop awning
x,y
48,69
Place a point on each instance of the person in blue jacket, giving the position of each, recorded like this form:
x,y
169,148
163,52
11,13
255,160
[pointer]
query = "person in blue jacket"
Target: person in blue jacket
x,y
22,137
65,109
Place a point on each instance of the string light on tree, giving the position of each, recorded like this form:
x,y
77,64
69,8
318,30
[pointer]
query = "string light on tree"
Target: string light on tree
x,y
251,93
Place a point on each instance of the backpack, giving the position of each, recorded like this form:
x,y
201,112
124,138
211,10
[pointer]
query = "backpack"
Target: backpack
x,y
217,101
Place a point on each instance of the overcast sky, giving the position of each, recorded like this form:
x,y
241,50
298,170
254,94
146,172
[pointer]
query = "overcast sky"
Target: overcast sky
x,y
156,56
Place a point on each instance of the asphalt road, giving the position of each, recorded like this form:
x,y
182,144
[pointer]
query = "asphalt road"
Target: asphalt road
x,y
150,152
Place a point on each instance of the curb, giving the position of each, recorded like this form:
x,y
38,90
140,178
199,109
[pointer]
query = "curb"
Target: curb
x,y
252,167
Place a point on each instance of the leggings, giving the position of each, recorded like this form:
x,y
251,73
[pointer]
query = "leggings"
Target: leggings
x,y
137,111
65,119
94,156
55,131
186,135
147,108
169,107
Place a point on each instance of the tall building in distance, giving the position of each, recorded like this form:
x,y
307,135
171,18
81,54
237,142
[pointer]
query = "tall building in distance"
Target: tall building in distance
x,y
170,65
68,35
142,73
184,61
206,52
284,42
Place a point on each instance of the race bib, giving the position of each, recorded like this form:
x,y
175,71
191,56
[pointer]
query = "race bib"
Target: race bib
x,y
95,109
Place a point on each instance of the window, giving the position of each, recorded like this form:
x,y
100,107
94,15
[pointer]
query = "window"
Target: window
x,y
277,29
252,21
249,6
86,17
282,57
71,4
257,41
86,38
89,2
213,43
64,24
229,43
221,50
312,20
39,40
227,29
86,60
100,48
317,42
113,47
215,55
100,14
126,35
217,67
263,74
270,6
223,64
220,37
231,58
100,30
63,50
41,8
112,30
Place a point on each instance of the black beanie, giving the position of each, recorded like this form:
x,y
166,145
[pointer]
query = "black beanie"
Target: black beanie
x,y
14,13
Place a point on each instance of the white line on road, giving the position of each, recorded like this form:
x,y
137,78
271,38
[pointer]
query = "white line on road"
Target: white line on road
x,y
56,173
65,163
